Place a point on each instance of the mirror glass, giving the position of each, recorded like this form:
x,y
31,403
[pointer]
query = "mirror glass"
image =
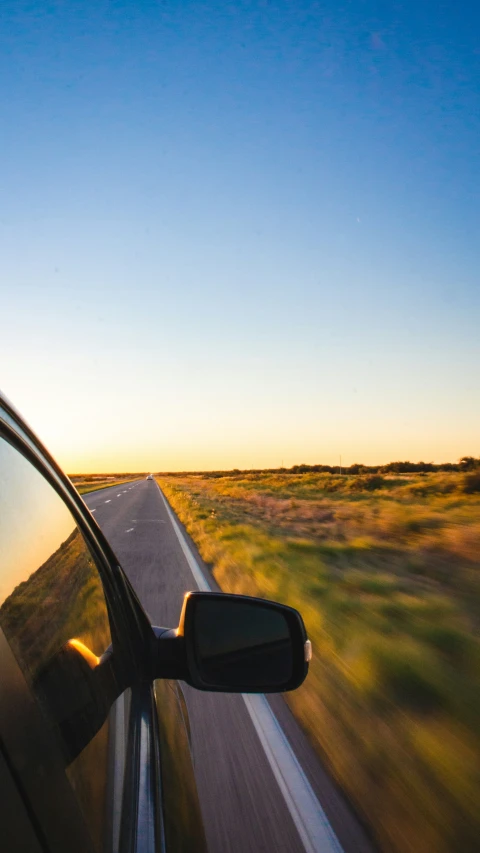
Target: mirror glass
x,y
242,644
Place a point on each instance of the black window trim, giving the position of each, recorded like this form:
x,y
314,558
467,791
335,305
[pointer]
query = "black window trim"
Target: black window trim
x,y
134,637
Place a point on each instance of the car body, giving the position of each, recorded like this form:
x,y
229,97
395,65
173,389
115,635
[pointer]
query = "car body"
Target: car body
x,y
94,740
150,477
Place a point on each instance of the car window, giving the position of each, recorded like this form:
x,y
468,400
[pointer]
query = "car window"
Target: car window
x,y
51,593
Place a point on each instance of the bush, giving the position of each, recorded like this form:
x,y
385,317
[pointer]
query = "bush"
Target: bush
x,y
369,483
471,482
408,677
449,641
469,463
396,613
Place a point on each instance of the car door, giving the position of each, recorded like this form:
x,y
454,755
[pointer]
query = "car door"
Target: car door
x,y
82,731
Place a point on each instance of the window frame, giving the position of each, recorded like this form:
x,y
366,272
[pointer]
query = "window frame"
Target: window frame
x,y
131,632
28,745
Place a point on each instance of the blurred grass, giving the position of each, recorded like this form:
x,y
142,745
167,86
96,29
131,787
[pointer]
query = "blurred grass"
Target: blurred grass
x,y
386,573
83,488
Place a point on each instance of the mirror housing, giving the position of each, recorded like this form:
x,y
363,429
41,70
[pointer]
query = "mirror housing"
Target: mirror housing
x,y
234,644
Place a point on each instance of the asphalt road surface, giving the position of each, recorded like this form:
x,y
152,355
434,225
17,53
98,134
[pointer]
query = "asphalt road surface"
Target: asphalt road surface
x,y
252,798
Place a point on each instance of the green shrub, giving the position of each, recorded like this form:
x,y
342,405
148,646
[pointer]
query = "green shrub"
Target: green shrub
x,y
317,589
369,483
371,583
407,677
396,613
379,584
449,641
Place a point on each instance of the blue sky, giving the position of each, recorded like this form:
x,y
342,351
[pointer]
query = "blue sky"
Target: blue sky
x,y
241,234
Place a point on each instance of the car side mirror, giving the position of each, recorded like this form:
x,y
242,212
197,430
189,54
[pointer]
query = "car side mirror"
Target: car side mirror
x,y
236,644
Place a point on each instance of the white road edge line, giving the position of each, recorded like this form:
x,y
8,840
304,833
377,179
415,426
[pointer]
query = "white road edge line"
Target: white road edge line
x,y
307,814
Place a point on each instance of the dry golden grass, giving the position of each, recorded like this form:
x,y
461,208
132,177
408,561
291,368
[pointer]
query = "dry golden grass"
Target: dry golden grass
x,y
386,572
84,488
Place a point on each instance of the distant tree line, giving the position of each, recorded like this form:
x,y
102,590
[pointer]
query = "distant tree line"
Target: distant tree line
x,y
465,464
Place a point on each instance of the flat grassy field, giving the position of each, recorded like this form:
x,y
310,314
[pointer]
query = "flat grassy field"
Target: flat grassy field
x,y
386,573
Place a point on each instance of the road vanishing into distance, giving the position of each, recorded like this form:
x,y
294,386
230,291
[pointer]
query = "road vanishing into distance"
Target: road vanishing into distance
x,y
261,787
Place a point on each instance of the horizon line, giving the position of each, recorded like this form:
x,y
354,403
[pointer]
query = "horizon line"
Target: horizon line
x,y
303,465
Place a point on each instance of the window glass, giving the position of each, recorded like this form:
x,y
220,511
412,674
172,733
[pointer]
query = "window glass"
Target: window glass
x,y
50,593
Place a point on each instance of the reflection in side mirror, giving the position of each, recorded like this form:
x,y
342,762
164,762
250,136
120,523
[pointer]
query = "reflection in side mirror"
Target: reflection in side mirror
x,y
234,643
238,642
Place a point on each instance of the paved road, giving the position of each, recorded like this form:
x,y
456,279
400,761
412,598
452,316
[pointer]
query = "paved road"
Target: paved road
x,y
245,806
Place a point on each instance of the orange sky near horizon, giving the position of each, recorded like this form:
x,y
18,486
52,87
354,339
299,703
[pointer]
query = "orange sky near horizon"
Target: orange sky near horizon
x,y
98,432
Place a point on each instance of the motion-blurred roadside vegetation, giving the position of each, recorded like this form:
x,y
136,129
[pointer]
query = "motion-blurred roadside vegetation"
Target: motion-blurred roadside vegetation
x,y
384,565
94,482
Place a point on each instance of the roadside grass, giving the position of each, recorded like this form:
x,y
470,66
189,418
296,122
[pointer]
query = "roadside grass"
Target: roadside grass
x,y
83,488
387,577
